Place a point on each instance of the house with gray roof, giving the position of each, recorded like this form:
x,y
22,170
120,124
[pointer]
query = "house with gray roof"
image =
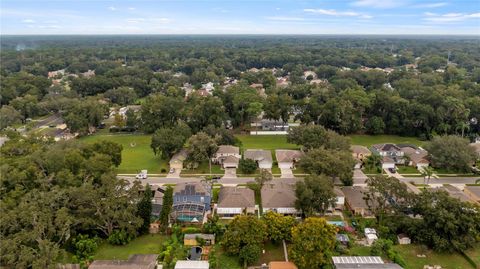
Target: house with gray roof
x,y
279,198
233,201
137,261
263,158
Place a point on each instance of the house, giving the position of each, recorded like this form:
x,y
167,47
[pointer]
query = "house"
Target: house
x,y
418,156
282,82
273,125
263,158
192,265
355,202
53,74
227,156
342,239
176,162
191,239
88,74
362,262
453,192
208,87
403,239
233,201
389,150
370,235
318,81
340,199
388,162
360,153
137,261
281,265
191,192
473,192
188,88
279,198
157,201
287,158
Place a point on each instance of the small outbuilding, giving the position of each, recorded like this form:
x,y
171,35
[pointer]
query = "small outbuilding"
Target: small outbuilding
x,y
403,239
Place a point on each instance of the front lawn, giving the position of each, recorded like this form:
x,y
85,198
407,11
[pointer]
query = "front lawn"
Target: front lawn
x,y
446,260
136,154
146,244
369,140
270,142
407,170
203,168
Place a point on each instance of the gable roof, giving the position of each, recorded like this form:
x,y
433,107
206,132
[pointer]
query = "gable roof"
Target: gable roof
x,y
354,196
231,159
281,265
227,149
179,156
190,188
234,197
386,147
137,261
357,149
278,195
473,189
288,155
476,147
259,155
453,192
417,155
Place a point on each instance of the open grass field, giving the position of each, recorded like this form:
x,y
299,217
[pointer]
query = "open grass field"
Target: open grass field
x,y
136,154
146,244
369,140
447,261
270,142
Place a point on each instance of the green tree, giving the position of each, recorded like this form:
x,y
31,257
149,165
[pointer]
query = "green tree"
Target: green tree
x,y
131,120
247,166
9,117
279,227
316,136
264,177
160,111
108,148
249,254
166,206
144,210
427,172
122,95
451,153
375,125
201,147
313,243
333,163
85,247
314,195
374,161
169,140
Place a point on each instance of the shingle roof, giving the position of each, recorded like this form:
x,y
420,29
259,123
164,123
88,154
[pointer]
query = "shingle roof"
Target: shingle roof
x,y
278,195
417,155
227,149
473,189
144,261
236,197
357,149
180,156
354,196
476,147
231,159
191,188
386,147
258,155
288,155
453,192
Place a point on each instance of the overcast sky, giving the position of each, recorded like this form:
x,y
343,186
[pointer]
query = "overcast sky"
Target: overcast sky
x,y
240,17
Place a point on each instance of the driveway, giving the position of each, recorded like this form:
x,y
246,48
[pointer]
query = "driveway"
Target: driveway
x,y
230,173
175,174
359,177
286,173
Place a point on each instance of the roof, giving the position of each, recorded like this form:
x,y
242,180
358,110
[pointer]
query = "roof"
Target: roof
x,y
227,149
417,155
354,196
258,155
278,195
281,265
288,155
203,236
338,192
192,265
357,260
473,189
453,192
357,149
137,261
179,156
386,147
342,237
386,159
236,197
190,188
231,159
368,266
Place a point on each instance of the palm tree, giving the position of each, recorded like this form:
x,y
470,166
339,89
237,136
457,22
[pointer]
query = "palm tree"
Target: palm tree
x,y
463,126
427,173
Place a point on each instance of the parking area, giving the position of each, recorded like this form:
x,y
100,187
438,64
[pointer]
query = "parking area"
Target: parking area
x,y
230,173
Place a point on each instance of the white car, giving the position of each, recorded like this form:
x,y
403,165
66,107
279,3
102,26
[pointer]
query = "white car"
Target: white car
x,y
142,175
172,170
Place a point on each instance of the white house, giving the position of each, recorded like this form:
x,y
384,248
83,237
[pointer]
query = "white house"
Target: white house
x,y
233,201
227,156
287,158
263,158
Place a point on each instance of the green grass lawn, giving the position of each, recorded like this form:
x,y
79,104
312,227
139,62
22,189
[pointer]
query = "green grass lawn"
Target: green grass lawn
x,y
146,244
369,140
407,170
203,168
136,155
273,252
474,254
447,261
226,261
360,251
265,142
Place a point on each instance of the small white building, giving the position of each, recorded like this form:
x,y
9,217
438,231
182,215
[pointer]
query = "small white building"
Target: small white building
x,y
370,235
192,265
403,239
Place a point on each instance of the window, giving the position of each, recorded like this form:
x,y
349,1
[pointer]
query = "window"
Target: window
x,y
184,198
202,199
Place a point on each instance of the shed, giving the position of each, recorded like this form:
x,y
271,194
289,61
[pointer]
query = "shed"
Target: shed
x,y
403,239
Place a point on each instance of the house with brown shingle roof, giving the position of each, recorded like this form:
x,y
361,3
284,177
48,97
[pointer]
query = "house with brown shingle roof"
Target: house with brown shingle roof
x,y
391,151
418,156
227,156
233,201
360,153
287,158
279,198
355,202
453,192
263,158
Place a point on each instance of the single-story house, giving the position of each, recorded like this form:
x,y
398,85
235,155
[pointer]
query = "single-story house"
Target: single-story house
x,y
190,202
453,192
287,158
340,198
418,156
137,261
388,162
360,153
473,192
389,150
191,239
157,201
282,265
178,158
263,158
403,239
362,262
355,202
192,265
233,201
279,198
227,156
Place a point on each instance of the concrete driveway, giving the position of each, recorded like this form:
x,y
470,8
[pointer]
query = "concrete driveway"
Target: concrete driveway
x,y
286,173
175,174
230,173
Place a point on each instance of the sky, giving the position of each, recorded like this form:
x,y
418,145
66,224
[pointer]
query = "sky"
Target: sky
x,y
419,17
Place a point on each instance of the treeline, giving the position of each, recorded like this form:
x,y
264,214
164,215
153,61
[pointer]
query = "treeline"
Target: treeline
x,y
420,102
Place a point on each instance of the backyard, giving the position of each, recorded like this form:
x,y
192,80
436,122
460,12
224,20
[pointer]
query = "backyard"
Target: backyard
x,y
369,140
146,244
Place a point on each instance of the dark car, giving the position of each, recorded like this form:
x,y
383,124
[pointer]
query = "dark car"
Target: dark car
x,y
392,170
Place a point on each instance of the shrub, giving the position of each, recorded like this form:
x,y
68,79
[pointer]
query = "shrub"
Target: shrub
x,y
120,237
247,166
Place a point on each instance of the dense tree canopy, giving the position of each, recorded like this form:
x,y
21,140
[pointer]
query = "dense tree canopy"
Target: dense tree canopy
x,y
451,153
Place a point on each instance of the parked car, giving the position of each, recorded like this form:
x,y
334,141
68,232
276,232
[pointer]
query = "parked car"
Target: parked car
x,y
172,170
392,170
142,175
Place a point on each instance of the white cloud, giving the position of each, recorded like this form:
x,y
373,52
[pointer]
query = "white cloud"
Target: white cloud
x,y
28,21
431,5
135,20
131,8
161,20
333,12
379,3
112,8
450,17
281,18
